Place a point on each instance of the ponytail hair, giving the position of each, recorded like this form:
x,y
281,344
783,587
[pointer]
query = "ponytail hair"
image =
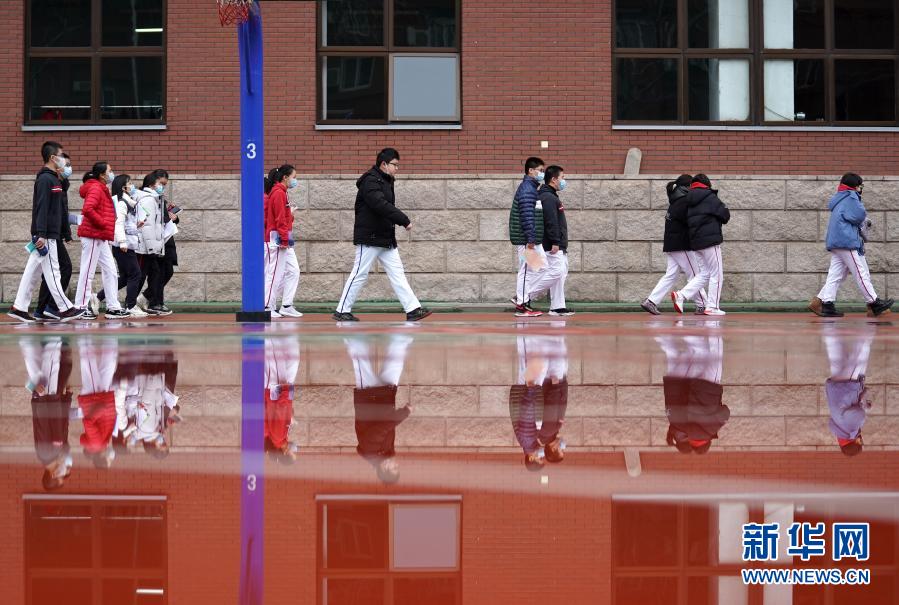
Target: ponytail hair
x,y
683,180
95,172
276,175
150,180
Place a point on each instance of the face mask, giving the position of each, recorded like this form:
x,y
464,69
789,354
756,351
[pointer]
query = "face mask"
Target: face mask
x,y
563,184
540,176
110,176
66,172
160,189
60,162
293,184
132,190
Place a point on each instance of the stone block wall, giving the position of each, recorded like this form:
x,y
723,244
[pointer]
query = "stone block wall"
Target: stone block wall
x,y
458,249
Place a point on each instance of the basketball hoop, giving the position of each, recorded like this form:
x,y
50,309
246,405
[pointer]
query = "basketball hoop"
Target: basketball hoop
x,y
234,11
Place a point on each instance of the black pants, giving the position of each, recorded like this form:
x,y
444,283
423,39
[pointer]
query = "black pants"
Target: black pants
x,y
44,299
154,274
129,275
159,273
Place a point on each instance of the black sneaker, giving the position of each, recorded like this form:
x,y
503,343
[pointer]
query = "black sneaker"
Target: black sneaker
x,y
165,310
71,314
85,314
828,309
879,307
152,310
159,310
344,317
117,314
24,316
418,314
563,312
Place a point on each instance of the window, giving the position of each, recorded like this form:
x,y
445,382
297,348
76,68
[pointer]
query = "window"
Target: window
x,y
99,62
756,62
105,551
389,61
389,553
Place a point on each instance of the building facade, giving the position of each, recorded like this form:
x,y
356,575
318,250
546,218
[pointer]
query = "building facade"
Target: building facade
x,y
774,99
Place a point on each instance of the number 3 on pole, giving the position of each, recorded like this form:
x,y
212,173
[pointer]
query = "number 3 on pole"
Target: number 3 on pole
x,y
251,483
251,151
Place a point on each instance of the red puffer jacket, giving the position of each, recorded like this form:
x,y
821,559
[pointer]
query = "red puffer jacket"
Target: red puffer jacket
x,y
98,214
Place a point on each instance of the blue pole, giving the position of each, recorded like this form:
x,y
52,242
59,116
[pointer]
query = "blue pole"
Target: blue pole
x,y
252,167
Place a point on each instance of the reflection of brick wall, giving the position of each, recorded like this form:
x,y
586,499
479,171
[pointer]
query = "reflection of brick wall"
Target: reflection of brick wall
x,y
520,540
458,249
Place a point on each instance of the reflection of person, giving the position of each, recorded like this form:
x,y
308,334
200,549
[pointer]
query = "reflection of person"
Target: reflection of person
x,y
374,400
542,378
150,402
282,362
847,395
49,366
98,359
693,391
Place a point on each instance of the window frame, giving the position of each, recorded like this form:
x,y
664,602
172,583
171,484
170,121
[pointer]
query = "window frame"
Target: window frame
x,y
757,55
387,51
96,52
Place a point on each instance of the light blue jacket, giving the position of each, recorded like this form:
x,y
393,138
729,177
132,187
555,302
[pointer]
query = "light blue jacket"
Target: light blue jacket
x,y
847,213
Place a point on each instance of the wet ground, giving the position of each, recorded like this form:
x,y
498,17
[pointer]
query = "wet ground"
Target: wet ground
x,y
467,459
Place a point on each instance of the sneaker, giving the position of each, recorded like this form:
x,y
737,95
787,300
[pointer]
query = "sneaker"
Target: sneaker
x,y
142,301
650,307
94,304
159,310
24,316
712,311
71,314
678,299
418,314
344,317
117,314
879,307
816,306
699,310
289,311
150,310
528,313
86,315
275,315
165,310
563,312
828,309
136,311
522,307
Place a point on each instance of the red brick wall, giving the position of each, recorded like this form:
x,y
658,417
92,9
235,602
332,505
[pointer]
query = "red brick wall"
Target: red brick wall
x,y
509,105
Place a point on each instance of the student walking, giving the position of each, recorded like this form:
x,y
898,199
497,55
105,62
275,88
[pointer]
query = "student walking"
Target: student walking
x,y
282,270
705,215
846,243
525,232
676,246
374,235
96,231
848,397
124,250
554,244
165,265
150,241
47,209
44,298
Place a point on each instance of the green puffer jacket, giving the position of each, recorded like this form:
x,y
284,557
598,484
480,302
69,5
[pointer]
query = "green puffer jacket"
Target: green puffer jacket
x,y
516,233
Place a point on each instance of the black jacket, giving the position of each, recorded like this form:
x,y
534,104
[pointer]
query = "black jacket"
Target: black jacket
x,y
50,413
705,215
376,212
171,252
376,421
555,227
694,407
677,235
49,206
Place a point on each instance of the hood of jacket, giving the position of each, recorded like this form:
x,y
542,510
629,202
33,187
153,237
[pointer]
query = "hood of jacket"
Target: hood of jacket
x,y
697,196
679,193
841,196
373,172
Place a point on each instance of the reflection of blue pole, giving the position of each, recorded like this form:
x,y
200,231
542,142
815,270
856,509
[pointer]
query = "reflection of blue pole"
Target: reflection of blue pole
x,y
252,486
252,166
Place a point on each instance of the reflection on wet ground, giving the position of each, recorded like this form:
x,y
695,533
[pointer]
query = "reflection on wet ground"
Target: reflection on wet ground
x,y
607,460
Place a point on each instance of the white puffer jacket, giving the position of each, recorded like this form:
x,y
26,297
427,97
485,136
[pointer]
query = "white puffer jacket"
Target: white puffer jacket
x,y
149,212
126,221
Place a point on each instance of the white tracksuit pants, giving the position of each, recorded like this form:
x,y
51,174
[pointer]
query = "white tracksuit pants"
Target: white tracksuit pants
x,y
96,252
42,362
393,267
282,361
551,278
48,266
842,263
526,275
694,356
99,359
712,275
282,276
360,352
848,355
684,261
541,357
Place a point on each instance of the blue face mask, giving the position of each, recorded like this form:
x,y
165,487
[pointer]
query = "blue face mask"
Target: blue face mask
x,y
132,190
540,176
563,184
293,184
66,172
160,189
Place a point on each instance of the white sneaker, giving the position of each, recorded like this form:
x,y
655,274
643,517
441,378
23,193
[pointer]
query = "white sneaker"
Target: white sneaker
x,y
137,312
95,304
142,301
711,311
289,312
276,315
678,299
